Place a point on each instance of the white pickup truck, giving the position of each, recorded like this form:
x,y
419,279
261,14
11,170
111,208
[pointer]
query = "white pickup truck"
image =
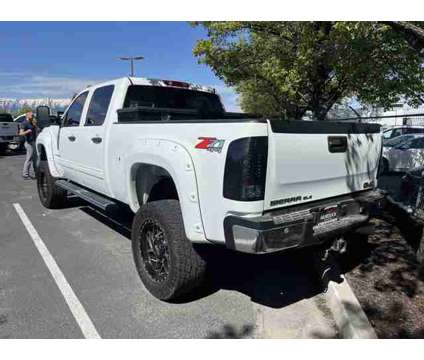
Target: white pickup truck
x,y
193,173
8,131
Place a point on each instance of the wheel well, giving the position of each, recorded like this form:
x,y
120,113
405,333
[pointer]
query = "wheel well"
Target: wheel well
x,y
153,183
163,189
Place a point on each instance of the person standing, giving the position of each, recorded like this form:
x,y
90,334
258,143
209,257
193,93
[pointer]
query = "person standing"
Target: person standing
x,y
28,129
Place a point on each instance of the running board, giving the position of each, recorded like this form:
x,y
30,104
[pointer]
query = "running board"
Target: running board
x,y
87,195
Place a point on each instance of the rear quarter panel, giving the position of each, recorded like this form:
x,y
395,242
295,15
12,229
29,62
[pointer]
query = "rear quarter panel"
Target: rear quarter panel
x,y
173,146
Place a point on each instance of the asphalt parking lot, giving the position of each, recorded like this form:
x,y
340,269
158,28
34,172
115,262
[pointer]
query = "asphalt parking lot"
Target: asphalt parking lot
x,y
248,296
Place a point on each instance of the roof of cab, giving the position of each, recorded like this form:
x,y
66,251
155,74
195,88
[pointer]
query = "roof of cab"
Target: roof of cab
x,y
159,82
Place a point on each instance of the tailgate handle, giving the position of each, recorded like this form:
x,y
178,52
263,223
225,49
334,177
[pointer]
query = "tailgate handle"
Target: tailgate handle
x,y
337,144
96,140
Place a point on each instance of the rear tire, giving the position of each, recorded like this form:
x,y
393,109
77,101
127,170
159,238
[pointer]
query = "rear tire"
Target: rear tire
x,y
166,261
51,196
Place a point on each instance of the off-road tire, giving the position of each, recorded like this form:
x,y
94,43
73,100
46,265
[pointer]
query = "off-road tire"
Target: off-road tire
x,y
186,269
51,196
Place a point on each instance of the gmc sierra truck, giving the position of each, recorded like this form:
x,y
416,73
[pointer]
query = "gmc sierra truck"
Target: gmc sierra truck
x,y
193,173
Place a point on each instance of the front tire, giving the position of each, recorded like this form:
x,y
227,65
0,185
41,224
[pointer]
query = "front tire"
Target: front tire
x,y
51,196
166,261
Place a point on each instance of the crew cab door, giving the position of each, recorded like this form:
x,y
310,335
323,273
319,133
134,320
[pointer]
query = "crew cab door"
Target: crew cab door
x,y
69,139
92,139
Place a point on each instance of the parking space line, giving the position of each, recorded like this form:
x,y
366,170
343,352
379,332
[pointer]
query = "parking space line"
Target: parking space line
x,y
86,325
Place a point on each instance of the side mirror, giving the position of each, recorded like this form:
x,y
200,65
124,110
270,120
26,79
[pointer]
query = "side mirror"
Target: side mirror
x,y
59,117
43,116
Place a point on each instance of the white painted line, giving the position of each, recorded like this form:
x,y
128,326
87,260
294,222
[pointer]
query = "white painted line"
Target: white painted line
x,y
86,325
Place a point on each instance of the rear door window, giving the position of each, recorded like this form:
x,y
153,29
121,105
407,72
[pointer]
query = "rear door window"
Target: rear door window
x,y
99,106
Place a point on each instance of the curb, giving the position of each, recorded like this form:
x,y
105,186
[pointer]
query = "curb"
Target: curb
x,y
347,312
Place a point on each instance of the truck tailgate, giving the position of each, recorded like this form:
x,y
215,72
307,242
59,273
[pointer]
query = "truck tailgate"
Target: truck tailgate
x,y
309,161
8,129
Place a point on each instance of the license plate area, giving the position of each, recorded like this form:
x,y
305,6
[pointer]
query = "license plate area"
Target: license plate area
x,y
329,214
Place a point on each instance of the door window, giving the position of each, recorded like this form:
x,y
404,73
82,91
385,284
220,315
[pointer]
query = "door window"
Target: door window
x,y
73,115
99,105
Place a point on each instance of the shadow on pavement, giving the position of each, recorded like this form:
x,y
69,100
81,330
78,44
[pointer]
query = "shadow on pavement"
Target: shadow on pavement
x,y
230,332
387,280
10,153
275,280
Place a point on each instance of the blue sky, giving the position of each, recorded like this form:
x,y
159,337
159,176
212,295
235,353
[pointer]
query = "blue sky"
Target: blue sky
x,y
55,59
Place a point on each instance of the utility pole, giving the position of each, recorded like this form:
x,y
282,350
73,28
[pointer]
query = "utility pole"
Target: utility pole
x,y
131,59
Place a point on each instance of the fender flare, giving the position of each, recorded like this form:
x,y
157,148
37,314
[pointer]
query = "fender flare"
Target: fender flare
x,y
176,160
45,140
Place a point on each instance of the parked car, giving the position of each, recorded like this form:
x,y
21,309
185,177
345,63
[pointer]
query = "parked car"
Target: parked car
x,y
18,141
195,174
399,140
396,131
8,130
406,206
403,155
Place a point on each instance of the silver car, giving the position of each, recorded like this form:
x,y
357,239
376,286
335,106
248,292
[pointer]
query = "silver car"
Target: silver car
x,y
403,153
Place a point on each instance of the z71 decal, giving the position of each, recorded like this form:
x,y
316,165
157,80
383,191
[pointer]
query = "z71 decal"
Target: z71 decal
x,y
210,144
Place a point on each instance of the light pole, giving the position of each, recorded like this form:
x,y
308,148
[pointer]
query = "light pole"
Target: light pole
x,y
131,58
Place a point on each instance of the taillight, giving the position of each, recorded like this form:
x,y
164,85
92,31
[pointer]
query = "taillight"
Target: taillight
x,y
245,169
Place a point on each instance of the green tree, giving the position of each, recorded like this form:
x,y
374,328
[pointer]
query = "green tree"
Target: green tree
x,y
286,69
413,33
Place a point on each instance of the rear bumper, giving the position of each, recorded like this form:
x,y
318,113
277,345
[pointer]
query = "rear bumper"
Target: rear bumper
x,y
300,226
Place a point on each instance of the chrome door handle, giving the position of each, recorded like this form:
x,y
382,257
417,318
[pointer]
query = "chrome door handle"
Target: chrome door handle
x,y
96,140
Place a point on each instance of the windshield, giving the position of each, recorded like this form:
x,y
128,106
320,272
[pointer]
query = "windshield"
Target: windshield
x,y
6,118
172,98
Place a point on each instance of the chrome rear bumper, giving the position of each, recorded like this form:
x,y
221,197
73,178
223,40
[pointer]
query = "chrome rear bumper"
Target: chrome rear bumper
x,y
299,226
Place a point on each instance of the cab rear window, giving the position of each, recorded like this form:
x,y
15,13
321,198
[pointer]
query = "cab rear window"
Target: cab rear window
x,y
172,98
6,118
